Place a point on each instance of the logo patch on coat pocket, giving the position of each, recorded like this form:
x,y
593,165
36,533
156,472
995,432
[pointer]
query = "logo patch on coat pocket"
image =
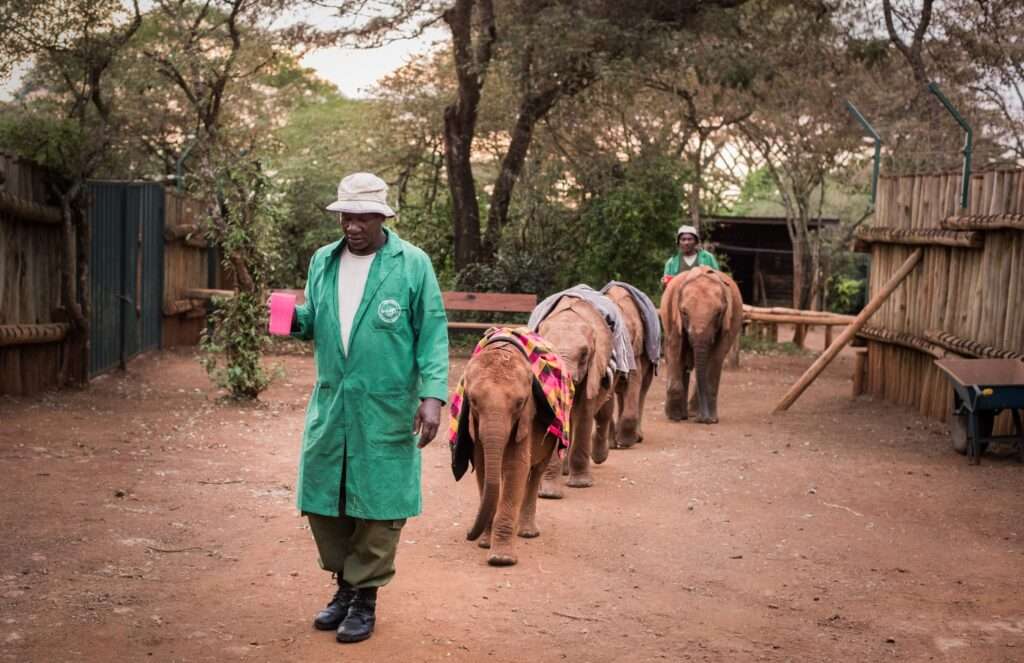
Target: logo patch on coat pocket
x,y
389,311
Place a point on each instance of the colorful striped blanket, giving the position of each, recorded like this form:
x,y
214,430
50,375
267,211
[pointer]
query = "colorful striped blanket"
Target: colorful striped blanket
x,y
550,378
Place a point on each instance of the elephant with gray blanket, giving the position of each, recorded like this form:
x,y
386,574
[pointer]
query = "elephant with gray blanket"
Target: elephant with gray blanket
x,y
586,330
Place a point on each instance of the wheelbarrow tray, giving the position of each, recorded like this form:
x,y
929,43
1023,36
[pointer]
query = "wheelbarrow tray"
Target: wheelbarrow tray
x,y
971,378
982,388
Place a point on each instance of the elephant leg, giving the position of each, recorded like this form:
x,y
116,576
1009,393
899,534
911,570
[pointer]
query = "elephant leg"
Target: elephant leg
x,y
528,515
478,469
620,398
515,470
718,358
629,411
689,397
602,430
645,387
552,472
694,405
675,396
579,452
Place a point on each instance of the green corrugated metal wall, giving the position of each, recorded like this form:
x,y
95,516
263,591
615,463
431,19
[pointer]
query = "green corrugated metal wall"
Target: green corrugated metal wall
x,y
126,264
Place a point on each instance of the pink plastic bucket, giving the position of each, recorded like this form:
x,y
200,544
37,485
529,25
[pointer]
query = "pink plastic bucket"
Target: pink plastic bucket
x,y
282,309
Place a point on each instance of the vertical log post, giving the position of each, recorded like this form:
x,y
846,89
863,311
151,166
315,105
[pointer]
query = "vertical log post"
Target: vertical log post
x,y
826,357
860,366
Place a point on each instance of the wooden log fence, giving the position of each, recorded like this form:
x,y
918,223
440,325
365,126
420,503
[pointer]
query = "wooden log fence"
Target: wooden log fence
x,y
181,306
189,234
38,349
824,319
207,294
826,357
922,237
860,369
30,334
764,321
910,341
187,259
26,210
985,222
967,296
968,348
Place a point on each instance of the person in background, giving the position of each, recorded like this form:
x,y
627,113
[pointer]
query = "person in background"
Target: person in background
x,y
688,256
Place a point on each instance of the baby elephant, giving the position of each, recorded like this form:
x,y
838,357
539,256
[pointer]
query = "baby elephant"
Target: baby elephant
x,y
507,420
702,313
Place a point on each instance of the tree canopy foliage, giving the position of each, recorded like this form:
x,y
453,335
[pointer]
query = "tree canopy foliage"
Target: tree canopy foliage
x,y
542,143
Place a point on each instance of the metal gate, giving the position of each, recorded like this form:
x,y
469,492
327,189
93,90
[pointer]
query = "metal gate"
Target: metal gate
x,y
126,267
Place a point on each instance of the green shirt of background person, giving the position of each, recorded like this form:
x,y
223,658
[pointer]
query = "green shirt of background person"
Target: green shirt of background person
x,y
377,398
689,254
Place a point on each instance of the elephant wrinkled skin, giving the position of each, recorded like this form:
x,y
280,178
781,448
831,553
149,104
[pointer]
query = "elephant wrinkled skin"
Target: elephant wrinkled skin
x,y
511,448
631,391
581,337
701,314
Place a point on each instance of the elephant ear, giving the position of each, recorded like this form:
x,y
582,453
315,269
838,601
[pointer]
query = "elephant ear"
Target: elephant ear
x,y
727,321
599,339
462,450
672,318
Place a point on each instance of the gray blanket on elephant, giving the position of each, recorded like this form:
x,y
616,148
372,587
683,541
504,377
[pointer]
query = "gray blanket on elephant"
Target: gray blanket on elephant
x,y
622,350
652,323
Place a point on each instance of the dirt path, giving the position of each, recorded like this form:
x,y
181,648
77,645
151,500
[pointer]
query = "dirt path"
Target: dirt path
x,y
143,521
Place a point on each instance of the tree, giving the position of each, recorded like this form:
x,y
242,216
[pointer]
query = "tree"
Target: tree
x,y
214,55
988,35
549,51
75,42
799,133
709,75
939,41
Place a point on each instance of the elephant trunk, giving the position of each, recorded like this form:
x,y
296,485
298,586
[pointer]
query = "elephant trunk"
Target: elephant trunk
x,y
700,360
493,436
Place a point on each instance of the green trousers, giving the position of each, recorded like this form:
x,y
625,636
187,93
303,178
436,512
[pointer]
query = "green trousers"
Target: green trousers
x,y
362,552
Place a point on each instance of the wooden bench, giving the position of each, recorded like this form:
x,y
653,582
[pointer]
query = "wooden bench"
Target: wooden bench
x,y
488,302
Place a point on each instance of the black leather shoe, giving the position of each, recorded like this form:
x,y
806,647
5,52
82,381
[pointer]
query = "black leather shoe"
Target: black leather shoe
x,y
330,617
362,615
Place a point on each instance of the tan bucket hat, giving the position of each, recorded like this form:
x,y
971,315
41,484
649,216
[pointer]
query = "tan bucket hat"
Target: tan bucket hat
x,y
362,193
688,230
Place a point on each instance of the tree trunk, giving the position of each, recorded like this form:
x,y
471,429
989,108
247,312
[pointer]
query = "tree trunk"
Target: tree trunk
x,y
75,284
695,188
471,62
458,140
531,110
799,284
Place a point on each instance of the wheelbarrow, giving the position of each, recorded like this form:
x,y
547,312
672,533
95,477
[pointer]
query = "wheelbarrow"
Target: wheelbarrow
x,y
982,388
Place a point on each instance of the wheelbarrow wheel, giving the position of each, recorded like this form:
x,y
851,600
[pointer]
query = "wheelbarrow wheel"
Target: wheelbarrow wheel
x,y
958,432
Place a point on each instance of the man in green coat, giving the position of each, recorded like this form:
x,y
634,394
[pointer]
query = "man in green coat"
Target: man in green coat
x,y
689,255
374,312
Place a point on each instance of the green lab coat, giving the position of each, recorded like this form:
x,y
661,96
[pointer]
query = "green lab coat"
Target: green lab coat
x,y
363,405
675,264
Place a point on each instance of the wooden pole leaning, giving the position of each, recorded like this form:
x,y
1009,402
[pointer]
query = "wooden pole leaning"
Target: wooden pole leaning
x,y
849,333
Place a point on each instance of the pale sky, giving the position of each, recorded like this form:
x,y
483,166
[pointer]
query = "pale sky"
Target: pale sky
x,y
353,70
